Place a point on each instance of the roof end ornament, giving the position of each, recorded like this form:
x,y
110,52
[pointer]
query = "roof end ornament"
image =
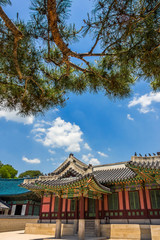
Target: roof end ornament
x,y
71,155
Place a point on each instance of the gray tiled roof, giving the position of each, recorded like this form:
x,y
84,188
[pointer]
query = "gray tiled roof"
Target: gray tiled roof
x,y
58,182
145,164
112,175
61,169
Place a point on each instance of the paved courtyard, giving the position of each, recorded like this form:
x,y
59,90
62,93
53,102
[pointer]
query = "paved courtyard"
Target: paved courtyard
x,y
19,235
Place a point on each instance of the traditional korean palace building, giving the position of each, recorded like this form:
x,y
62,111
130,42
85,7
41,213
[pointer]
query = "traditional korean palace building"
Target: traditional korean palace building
x,y
15,200
124,192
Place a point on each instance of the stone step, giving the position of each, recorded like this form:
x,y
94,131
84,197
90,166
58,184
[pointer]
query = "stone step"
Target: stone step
x,y
90,234
89,227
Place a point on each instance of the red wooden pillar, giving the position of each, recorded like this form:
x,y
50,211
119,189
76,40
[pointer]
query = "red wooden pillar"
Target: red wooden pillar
x,y
102,206
145,199
59,208
144,195
81,228
66,214
76,209
82,205
50,208
58,221
124,203
97,209
40,212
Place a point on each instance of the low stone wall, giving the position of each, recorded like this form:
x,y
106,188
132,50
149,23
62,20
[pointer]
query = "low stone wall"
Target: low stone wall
x,y
48,229
40,228
155,232
15,223
126,231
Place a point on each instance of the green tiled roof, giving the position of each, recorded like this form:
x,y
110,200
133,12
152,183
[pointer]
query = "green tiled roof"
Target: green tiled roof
x,y
11,187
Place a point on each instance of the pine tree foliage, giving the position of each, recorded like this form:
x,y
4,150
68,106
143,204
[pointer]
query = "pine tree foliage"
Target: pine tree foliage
x,y
39,67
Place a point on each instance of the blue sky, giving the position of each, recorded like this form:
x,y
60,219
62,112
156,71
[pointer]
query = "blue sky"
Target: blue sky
x,y
94,128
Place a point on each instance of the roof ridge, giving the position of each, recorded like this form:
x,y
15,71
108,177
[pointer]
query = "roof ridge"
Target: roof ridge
x,y
110,164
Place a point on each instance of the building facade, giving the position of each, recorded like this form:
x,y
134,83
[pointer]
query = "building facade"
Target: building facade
x,y
121,192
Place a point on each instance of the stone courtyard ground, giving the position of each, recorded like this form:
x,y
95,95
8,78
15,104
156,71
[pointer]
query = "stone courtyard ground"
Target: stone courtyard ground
x,y
19,235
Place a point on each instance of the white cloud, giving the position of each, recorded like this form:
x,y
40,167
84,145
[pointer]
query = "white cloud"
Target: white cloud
x,y
32,161
94,161
86,146
87,157
38,125
109,149
51,151
60,134
129,117
102,154
145,101
13,116
55,110
50,159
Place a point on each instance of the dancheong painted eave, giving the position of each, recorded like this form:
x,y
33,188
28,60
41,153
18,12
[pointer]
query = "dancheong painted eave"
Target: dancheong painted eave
x,y
87,186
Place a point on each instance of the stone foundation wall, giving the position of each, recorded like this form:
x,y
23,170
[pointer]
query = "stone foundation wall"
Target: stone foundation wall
x,y
131,231
15,223
48,229
155,232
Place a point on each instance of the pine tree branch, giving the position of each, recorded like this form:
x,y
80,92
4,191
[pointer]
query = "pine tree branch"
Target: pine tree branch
x,y
15,56
25,90
150,13
53,20
93,71
9,24
78,68
103,23
17,36
155,48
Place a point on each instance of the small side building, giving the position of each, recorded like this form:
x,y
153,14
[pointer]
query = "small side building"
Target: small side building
x,y
15,200
4,208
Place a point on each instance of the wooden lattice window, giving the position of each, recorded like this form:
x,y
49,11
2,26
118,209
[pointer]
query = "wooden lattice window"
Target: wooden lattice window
x,y
91,207
56,204
113,201
73,207
134,200
155,198
30,209
36,210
